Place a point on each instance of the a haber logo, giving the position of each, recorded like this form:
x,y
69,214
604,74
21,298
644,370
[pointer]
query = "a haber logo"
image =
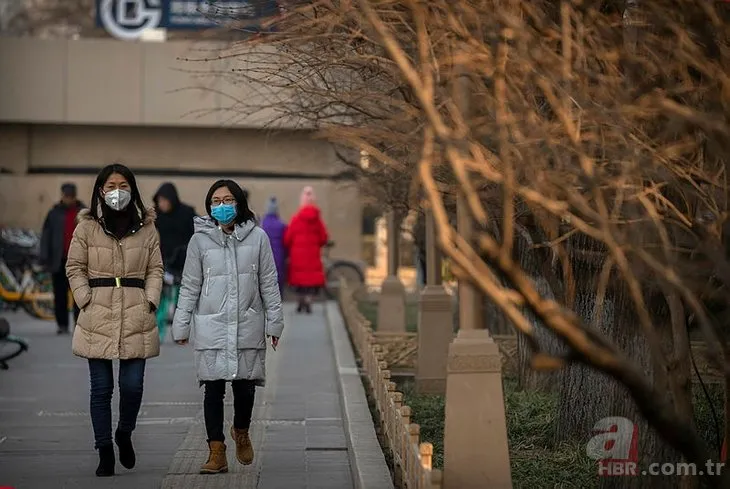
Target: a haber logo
x,y
615,446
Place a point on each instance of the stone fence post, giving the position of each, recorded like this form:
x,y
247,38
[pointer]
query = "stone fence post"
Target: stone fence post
x,y
392,300
435,321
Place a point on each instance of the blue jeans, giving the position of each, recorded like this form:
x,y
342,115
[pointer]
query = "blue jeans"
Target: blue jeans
x,y
131,385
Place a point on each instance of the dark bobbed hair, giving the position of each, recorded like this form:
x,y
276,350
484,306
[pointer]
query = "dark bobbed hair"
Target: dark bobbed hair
x,y
103,176
243,213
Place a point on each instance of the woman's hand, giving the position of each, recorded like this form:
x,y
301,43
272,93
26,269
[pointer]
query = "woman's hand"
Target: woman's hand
x,y
181,342
274,342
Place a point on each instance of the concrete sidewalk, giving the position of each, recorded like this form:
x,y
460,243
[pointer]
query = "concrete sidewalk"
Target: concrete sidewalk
x,y
305,432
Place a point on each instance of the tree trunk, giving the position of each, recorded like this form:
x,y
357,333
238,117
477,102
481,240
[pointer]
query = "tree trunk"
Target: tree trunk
x,y
586,396
533,262
529,379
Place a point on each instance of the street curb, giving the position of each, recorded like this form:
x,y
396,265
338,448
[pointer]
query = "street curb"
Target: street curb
x,y
369,469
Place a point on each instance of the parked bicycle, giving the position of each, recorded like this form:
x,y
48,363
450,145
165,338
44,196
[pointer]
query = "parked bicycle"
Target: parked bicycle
x,y
23,281
337,270
10,346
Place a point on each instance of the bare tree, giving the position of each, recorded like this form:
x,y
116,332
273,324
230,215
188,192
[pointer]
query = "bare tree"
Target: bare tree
x,y
9,10
620,178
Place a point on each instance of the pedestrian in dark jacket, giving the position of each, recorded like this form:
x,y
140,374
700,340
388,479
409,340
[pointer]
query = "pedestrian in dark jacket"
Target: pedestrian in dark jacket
x,y
275,229
175,225
58,230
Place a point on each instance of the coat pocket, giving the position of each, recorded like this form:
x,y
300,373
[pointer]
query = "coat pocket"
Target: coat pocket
x,y
251,330
210,332
249,295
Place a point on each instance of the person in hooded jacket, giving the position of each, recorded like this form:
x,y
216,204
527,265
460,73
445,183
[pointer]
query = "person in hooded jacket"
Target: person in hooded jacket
x,y
304,239
175,225
115,271
275,229
229,292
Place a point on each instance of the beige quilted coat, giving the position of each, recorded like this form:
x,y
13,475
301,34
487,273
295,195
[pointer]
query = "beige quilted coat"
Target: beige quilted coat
x,y
115,323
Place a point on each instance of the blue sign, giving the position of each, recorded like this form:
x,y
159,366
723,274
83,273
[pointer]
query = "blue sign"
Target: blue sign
x,y
192,14
127,19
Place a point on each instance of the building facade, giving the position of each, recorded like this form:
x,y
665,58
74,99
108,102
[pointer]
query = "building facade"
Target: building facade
x,y
171,111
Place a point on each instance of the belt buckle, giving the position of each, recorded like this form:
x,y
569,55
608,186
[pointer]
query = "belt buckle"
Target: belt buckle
x,y
118,282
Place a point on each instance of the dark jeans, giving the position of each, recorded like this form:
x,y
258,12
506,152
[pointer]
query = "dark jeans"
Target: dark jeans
x,y
60,297
244,392
131,385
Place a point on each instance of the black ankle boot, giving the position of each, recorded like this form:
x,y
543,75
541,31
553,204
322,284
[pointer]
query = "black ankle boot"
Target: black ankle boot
x,y
106,461
126,450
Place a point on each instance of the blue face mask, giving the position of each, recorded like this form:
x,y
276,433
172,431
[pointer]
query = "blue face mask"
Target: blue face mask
x,y
224,213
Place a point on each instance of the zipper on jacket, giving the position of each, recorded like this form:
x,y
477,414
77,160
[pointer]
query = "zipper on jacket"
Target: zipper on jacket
x,y
121,312
131,231
207,281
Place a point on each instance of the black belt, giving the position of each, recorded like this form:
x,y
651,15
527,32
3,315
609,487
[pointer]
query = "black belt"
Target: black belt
x,y
116,282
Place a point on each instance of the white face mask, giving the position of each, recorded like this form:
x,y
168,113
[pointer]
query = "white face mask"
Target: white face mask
x,y
118,199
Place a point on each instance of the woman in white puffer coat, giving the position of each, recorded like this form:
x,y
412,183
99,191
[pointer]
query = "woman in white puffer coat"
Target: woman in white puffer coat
x,y
229,297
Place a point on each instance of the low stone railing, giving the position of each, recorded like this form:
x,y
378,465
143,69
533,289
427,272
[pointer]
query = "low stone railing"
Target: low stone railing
x,y
412,459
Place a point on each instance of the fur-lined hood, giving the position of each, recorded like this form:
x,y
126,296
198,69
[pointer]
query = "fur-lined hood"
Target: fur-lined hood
x,y
85,215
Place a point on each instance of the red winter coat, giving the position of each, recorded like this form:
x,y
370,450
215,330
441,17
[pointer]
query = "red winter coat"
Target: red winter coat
x,y
304,238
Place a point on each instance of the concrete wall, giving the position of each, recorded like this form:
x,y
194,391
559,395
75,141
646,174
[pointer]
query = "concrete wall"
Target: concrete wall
x,y
24,147
25,200
40,157
105,81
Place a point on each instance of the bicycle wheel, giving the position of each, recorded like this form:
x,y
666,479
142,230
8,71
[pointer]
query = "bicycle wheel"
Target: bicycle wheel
x,y
41,305
346,270
11,347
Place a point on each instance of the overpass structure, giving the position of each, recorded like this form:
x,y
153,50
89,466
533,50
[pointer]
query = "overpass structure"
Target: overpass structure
x,y
167,110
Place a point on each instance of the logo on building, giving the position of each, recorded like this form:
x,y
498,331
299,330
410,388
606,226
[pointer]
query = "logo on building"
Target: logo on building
x,y
614,446
128,19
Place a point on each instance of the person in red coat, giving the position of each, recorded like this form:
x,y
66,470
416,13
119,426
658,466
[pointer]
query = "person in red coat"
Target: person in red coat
x,y
304,238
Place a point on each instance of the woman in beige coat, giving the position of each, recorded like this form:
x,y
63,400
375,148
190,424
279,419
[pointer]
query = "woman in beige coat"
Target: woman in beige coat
x,y
115,271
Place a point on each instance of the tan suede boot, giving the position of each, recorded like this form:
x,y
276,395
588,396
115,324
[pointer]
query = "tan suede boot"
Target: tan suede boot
x,y
244,447
217,462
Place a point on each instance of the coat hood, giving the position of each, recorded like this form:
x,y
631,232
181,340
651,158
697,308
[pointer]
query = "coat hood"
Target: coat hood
x,y
309,212
272,207
206,225
168,191
307,196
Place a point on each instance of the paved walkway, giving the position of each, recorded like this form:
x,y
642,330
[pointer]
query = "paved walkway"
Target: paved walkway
x,y
300,434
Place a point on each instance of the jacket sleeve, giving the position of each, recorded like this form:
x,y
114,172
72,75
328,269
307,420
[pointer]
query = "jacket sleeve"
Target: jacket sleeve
x,y
323,234
46,242
284,249
153,274
289,233
190,287
269,287
77,269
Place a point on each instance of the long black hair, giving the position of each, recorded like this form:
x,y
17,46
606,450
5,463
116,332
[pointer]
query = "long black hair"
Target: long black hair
x,y
243,214
96,201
